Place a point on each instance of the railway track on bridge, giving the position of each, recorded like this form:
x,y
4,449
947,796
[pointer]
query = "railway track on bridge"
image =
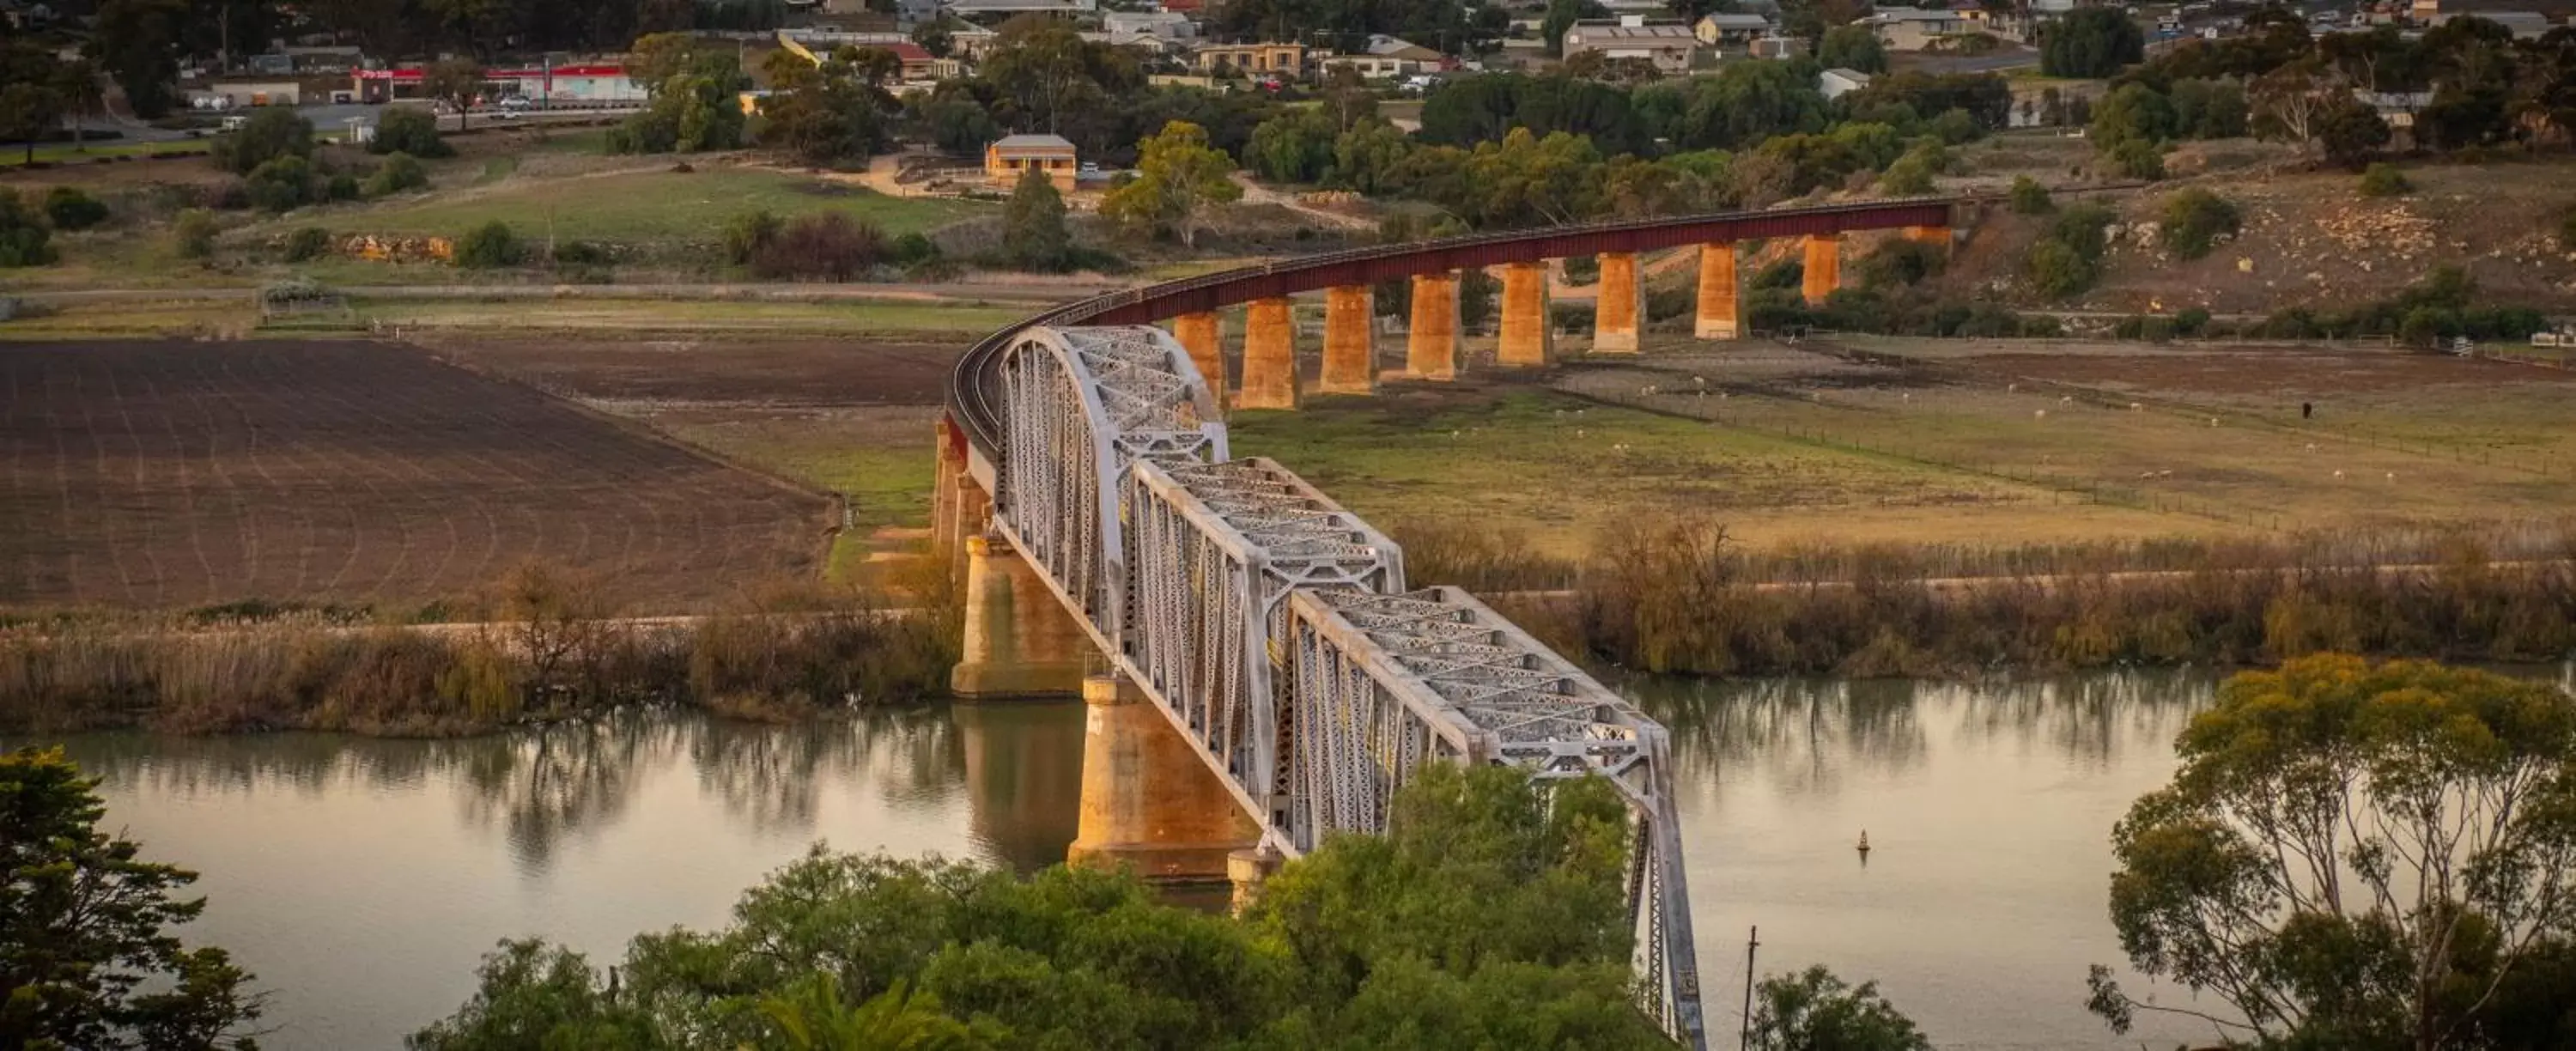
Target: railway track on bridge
x,y
1275,631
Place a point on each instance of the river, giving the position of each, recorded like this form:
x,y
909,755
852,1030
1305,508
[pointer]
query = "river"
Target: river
x,y
361,879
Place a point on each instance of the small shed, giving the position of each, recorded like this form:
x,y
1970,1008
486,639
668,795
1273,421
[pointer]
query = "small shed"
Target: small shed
x,y
1010,155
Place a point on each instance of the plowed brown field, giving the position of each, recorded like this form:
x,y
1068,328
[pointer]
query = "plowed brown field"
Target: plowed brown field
x,y
172,474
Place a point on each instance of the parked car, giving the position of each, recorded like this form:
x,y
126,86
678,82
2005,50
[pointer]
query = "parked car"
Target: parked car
x,y
517,104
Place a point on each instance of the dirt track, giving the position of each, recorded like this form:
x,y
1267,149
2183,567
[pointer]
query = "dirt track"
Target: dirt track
x,y
166,474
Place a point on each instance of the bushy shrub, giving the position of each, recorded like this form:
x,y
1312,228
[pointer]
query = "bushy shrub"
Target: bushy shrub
x,y
308,244
269,135
1910,176
281,185
2057,270
195,233
826,246
70,209
2194,220
582,253
399,172
24,241
2029,197
411,130
341,186
2138,159
489,246
2382,179
747,234
1900,262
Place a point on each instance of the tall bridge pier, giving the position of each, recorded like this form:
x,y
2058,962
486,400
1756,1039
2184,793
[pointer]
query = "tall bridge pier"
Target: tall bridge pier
x,y
1256,670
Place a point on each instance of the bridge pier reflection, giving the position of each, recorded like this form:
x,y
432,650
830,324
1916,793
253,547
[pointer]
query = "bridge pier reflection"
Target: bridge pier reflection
x,y
1148,801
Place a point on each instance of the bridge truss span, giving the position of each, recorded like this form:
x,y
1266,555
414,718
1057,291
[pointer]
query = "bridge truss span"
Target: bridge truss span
x,y
1083,404
1274,631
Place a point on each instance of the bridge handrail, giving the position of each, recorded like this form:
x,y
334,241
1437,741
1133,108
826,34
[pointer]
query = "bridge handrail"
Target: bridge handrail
x,y
968,398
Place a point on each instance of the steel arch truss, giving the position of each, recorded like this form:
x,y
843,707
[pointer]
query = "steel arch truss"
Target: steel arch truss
x,y
1215,551
1387,682
1082,404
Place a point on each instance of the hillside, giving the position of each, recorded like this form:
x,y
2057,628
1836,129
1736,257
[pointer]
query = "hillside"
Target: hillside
x,y
2311,239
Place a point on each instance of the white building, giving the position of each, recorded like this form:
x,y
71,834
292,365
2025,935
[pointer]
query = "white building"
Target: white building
x,y
1388,56
1668,46
1914,29
1837,82
1732,30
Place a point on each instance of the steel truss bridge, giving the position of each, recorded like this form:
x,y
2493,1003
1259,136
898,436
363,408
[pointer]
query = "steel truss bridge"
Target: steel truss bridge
x,y
1274,629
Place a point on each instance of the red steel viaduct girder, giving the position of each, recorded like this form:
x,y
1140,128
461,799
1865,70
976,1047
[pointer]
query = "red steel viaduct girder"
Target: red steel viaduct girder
x,y
972,388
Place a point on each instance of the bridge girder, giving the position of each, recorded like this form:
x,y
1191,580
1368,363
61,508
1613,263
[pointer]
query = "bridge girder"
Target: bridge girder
x,y
1272,627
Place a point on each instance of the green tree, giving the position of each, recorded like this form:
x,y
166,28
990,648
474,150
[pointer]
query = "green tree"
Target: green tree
x,y
267,136
1178,175
1034,236
1295,146
959,125
1364,156
307,244
2348,130
24,240
281,184
2137,159
409,130
695,104
30,113
2131,113
1815,1011
457,82
2352,854
87,953
1561,15
1853,46
138,43
829,113
2090,42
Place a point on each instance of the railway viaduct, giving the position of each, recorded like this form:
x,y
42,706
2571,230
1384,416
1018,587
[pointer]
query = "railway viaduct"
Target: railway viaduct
x,y
1260,672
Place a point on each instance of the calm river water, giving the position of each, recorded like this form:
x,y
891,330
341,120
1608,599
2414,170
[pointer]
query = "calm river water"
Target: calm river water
x,y
361,879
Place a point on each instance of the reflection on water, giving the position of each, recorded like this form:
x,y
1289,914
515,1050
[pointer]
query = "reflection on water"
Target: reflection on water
x,y
361,878
1988,809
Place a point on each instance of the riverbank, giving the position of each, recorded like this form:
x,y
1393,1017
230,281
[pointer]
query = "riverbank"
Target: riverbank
x,y
771,660
1681,598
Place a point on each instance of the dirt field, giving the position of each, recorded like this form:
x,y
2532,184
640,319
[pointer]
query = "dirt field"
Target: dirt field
x,y
171,474
847,416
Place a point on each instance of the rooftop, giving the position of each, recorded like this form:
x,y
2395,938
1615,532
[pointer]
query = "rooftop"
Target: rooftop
x,y
1033,142
1599,31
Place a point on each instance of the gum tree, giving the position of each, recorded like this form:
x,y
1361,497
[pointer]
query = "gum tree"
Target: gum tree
x,y
2353,855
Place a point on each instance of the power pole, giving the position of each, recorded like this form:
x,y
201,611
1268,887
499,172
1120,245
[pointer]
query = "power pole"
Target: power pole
x,y
1752,941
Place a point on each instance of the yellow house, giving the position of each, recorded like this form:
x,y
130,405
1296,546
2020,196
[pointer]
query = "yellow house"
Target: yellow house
x,y
1010,155
1286,60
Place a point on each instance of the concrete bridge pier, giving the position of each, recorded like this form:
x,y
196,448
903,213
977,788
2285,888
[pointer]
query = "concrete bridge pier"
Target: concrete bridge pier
x,y
1020,641
1148,800
1620,311
1718,315
1269,355
1350,341
1250,869
1200,334
1824,269
1431,342
959,507
1524,337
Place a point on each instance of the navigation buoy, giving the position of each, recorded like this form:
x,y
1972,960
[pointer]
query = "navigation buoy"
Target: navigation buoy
x,y
1864,841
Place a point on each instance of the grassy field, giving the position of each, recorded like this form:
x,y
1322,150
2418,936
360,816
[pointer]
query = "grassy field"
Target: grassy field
x,y
1559,469
657,205
699,316
69,154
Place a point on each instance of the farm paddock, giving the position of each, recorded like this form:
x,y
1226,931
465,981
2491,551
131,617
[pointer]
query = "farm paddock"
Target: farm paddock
x,y
175,474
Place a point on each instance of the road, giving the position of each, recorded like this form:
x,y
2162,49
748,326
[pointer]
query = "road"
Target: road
x,y
333,119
